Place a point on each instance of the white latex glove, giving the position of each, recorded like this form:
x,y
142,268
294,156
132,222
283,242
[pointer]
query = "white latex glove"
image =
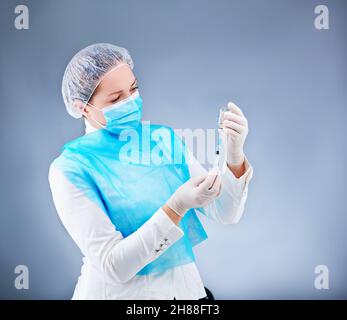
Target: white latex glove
x,y
196,192
235,130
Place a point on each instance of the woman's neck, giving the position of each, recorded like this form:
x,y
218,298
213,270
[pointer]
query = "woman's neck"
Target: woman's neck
x,y
89,127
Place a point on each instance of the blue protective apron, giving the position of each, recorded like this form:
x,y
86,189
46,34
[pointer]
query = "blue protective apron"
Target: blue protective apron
x,y
131,188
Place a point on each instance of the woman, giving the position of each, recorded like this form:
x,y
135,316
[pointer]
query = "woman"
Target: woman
x,y
134,220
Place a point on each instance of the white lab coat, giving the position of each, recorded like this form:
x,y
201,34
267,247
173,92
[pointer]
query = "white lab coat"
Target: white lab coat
x,y
110,261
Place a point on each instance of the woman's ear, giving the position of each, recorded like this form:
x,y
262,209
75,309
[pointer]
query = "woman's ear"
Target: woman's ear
x,y
79,107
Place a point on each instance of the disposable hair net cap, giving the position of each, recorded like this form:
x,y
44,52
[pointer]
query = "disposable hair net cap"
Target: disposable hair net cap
x,y
85,70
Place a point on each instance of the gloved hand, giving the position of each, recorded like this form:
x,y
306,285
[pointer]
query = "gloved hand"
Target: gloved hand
x,y
235,129
196,192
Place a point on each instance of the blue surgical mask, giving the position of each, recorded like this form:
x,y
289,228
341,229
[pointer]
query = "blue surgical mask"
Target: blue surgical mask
x,y
125,114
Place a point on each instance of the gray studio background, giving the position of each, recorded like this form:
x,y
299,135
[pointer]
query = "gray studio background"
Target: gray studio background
x,y
191,57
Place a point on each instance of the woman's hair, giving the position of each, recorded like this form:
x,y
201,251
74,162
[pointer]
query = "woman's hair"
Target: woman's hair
x,y
85,70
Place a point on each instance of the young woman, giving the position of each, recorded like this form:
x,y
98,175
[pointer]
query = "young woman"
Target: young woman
x,y
134,219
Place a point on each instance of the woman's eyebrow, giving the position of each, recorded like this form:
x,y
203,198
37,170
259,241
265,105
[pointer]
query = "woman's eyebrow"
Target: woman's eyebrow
x,y
121,90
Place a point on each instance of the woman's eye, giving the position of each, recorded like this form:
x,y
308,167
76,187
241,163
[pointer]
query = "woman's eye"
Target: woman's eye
x,y
134,88
115,100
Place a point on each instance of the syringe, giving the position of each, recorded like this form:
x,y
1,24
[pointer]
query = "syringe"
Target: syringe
x,y
220,160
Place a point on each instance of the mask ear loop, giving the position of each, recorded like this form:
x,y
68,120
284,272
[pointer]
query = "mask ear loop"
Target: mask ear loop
x,y
99,123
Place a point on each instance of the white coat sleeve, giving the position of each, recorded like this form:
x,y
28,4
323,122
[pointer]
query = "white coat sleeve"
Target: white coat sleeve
x,y
229,206
119,258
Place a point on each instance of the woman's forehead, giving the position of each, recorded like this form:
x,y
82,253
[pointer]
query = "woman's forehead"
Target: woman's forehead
x,y
117,79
